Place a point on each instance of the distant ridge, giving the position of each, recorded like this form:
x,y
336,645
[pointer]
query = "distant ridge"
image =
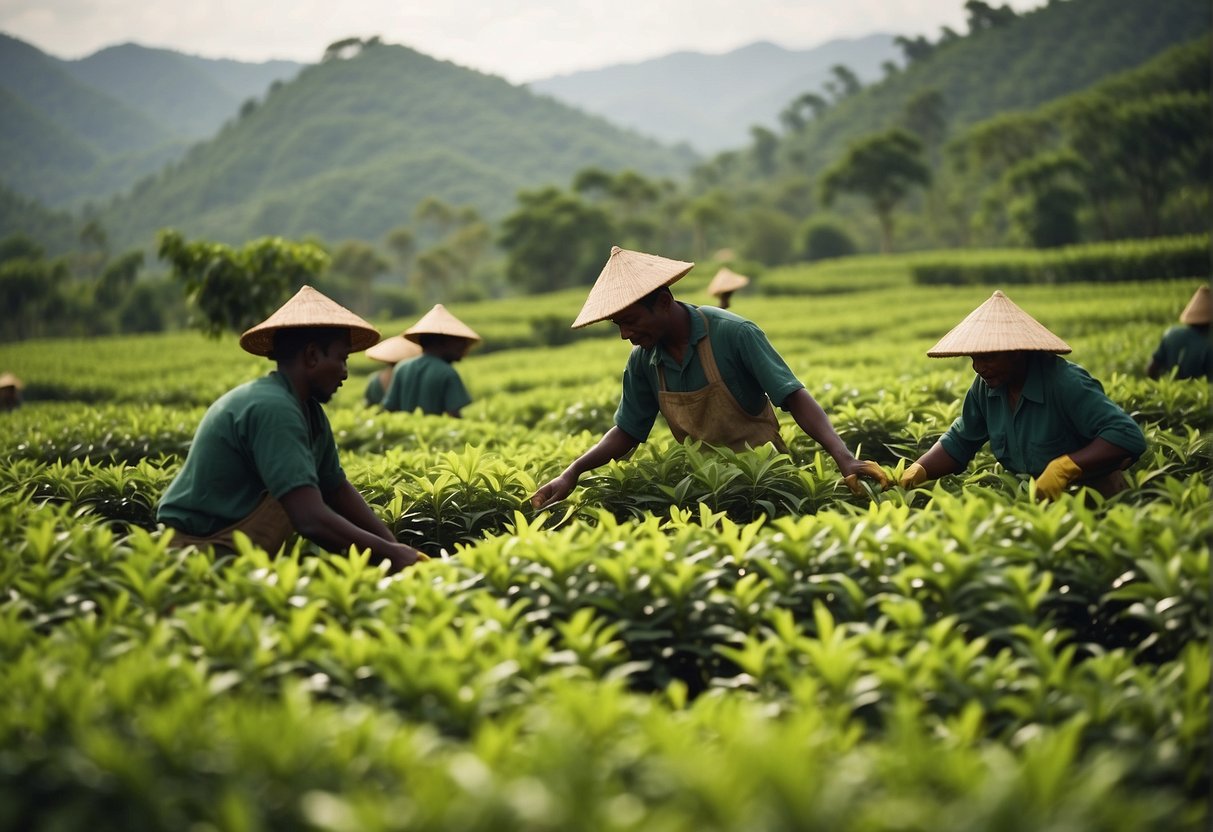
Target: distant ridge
x,y
350,146
711,101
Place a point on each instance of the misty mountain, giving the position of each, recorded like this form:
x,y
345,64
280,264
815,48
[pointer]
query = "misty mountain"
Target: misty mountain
x,y
711,101
350,146
187,96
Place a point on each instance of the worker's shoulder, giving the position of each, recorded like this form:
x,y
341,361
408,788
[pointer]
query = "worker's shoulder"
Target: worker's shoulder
x,y
726,320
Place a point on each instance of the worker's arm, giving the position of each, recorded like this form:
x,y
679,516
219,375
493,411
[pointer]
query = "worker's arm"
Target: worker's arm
x,y
313,518
813,421
933,464
614,444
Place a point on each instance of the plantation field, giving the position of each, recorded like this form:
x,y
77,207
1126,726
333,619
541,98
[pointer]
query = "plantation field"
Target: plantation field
x,y
695,640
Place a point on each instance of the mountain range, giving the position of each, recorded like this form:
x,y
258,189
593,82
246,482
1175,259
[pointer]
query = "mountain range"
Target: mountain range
x,y
711,101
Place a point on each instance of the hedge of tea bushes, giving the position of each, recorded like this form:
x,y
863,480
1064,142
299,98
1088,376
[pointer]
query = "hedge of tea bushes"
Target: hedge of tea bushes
x,y
694,640
1164,258
312,690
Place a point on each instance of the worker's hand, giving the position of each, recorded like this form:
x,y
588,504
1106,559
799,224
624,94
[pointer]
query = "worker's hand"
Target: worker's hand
x,y
403,556
864,468
554,491
1056,476
913,476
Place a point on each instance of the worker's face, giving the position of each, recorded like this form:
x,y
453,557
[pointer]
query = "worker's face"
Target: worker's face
x,y
1001,368
642,326
327,367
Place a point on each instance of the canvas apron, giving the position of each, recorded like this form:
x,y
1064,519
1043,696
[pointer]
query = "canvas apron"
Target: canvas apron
x,y
712,414
268,526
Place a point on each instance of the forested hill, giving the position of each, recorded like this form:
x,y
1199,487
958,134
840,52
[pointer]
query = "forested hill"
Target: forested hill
x,y
56,132
72,131
187,96
711,101
1003,64
352,145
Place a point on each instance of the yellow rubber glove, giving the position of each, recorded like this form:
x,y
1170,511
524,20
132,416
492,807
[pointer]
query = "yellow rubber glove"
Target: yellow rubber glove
x,y
872,470
1056,476
912,476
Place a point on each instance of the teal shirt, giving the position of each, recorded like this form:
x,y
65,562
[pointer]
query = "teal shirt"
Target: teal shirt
x,y
253,439
748,364
1060,410
1188,349
427,382
374,389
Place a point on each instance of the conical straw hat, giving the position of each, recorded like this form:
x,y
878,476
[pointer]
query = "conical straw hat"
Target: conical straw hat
x,y
440,322
394,350
727,280
1197,311
998,325
308,308
10,380
626,278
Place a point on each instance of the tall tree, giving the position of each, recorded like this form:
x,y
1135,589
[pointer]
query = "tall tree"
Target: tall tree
x,y
883,168
233,289
554,240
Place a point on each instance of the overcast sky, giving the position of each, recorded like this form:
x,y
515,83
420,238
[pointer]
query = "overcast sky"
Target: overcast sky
x,y
521,40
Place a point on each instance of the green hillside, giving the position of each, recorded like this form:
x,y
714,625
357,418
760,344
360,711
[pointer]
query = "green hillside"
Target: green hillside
x,y
351,146
187,96
1061,48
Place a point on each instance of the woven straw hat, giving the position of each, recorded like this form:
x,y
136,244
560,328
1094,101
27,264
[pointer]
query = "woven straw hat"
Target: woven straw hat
x,y
308,308
394,350
998,325
626,278
1198,309
10,380
440,322
727,280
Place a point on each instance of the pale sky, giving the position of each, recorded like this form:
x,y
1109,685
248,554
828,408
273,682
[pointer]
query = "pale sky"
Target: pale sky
x,y
521,40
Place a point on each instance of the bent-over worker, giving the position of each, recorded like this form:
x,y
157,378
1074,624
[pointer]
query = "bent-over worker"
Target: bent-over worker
x,y
429,383
264,461
712,374
1186,348
1042,415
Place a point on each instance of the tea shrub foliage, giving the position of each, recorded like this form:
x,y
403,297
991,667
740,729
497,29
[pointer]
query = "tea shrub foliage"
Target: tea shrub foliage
x,y
696,639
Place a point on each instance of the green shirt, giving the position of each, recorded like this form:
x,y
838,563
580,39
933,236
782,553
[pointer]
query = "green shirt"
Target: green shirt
x,y
748,365
253,439
374,389
427,382
1060,410
1188,349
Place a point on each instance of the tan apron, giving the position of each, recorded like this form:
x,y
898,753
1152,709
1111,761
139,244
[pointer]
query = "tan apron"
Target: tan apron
x,y
712,414
268,526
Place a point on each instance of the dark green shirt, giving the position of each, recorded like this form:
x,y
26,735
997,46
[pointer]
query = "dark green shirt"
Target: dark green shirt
x,y
748,365
427,382
374,389
253,439
1188,349
1060,410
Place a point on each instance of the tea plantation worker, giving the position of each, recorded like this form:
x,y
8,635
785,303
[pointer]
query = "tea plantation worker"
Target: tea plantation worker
x,y
712,374
1186,348
1041,414
10,392
724,284
264,461
429,382
391,351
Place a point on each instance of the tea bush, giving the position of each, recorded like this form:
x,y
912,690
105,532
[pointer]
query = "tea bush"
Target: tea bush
x,y
695,639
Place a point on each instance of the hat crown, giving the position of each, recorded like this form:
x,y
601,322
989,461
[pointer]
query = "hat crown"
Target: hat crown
x,y
626,278
1199,309
998,325
308,308
439,321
